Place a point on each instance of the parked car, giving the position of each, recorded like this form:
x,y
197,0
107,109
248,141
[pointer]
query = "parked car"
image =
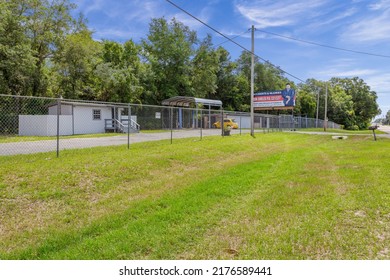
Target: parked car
x,y
226,123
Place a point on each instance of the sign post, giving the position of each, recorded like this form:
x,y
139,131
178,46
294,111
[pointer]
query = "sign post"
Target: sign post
x,y
252,83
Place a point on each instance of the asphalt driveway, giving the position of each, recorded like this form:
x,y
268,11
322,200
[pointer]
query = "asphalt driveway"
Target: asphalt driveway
x,y
32,147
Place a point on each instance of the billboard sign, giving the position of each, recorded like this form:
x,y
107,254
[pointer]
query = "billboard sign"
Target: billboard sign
x,y
277,99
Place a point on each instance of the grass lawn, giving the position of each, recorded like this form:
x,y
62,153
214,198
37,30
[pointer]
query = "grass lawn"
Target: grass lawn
x,y
278,196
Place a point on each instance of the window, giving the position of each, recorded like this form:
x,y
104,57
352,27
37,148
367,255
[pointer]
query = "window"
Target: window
x,y
96,114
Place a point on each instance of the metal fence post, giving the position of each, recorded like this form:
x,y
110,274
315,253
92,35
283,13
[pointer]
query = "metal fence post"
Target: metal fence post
x,y
128,125
58,125
240,125
222,123
170,122
201,124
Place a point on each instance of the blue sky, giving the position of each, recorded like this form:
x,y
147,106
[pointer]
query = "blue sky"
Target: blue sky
x,y
359,25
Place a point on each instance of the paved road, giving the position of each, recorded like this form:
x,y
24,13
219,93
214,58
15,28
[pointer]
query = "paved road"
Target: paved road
x,y
32,147
385,128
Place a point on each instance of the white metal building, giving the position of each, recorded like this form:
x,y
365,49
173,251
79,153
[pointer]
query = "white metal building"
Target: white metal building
x,y
77,118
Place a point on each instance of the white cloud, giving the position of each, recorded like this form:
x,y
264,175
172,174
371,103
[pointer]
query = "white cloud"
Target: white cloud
x,y
91,5
337,72
344,68
379,82
204,15
372,28
116,34
135,10
192,23
380,5
267,13
337,18
139,11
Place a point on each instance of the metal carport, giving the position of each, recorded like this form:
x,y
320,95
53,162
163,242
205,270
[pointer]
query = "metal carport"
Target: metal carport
x,y
187,101
193,102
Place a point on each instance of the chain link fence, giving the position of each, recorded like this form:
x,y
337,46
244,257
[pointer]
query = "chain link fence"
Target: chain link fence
x,y
33,125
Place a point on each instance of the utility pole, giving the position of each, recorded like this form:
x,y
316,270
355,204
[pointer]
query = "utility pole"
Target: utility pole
x,y
253,82
326,107
318,103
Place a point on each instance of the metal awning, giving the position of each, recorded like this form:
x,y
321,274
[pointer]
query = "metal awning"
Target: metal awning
x,y
187,101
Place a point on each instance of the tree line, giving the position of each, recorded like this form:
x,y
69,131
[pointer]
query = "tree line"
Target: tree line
x,y
384,119
45,51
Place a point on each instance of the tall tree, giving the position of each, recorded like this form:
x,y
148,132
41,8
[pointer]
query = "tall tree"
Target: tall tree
x,y
17,62
341,108
75,61
168,49
31,32
232,90
119,75
306,104
308,94
387,118
205,68
266,76
49,22
364,100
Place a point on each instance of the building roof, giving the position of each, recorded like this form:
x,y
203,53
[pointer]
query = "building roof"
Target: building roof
x,y
81,103
187,101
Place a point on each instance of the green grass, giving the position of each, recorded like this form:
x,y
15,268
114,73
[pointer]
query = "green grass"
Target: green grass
x,y
278,196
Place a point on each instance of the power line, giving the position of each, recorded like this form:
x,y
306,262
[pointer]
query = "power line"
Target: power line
x,y
231,40
202,22
224,42
322,45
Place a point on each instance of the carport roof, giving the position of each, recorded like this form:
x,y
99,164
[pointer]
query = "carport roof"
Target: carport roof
x,y
186,101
